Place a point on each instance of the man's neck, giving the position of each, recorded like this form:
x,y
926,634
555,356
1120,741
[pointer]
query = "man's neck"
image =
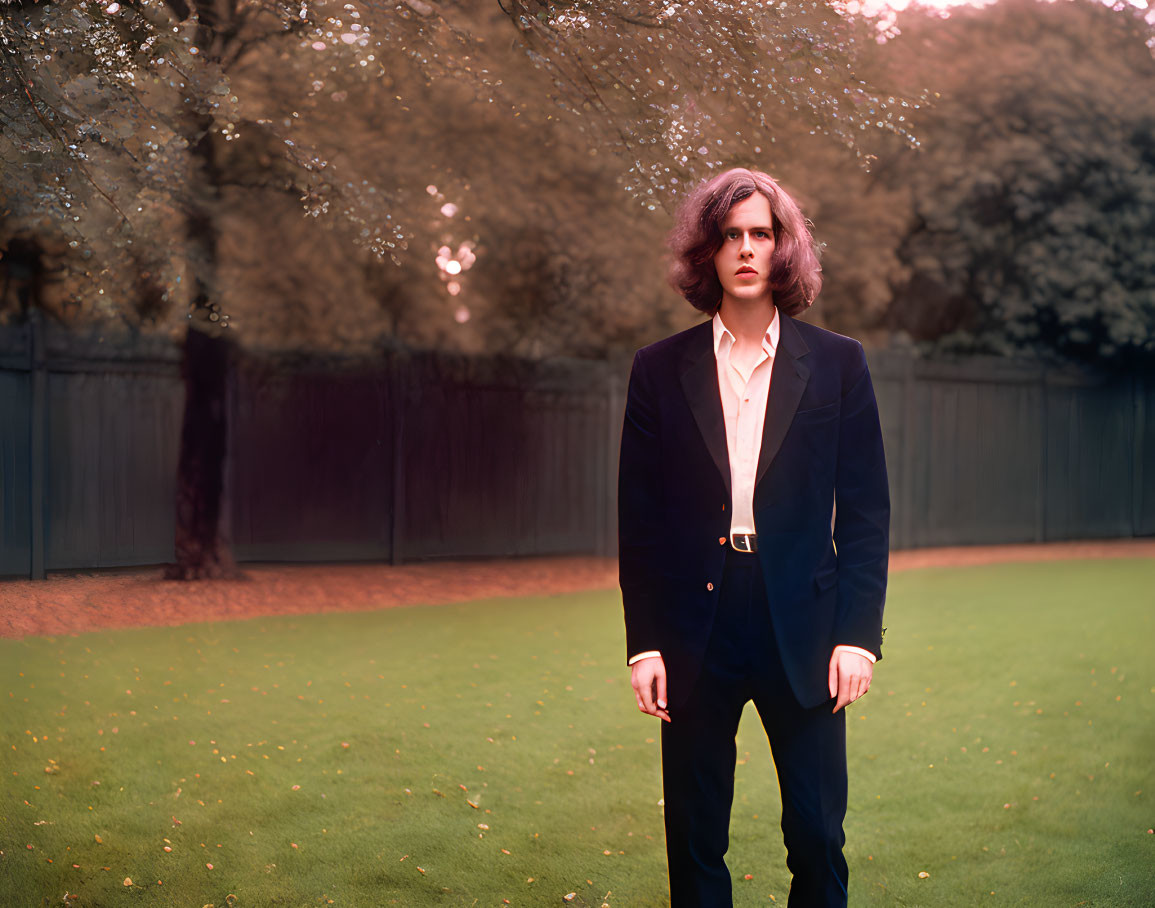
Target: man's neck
x,y
747,320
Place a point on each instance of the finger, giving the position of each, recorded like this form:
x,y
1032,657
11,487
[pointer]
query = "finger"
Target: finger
x,y
637,691
843,691
660,684
832,675
646,692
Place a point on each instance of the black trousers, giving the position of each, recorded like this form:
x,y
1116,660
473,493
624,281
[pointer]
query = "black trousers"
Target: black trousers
x,y
699,755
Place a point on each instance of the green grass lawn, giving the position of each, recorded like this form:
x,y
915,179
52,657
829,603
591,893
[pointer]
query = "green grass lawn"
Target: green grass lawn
x,y
468,755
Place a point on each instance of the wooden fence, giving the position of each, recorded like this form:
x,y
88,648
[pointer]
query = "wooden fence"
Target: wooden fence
x,y
423,455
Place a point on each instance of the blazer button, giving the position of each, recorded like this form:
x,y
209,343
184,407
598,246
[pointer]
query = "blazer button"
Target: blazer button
x,y
721,540
709,586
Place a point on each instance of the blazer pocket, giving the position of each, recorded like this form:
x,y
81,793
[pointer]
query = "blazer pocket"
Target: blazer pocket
x,y
826,580
819,412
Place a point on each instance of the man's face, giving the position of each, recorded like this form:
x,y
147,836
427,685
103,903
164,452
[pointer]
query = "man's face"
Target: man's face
x,y
743,260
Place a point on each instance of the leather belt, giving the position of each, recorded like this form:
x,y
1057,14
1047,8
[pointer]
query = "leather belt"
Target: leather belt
x,y
744,542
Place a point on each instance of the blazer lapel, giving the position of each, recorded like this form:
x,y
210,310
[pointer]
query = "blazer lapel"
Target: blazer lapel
x,y
698,371
787,382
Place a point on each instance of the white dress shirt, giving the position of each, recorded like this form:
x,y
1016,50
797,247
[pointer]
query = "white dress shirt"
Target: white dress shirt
x,y
744,387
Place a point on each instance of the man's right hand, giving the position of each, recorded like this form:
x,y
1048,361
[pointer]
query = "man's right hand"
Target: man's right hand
x,y
649,681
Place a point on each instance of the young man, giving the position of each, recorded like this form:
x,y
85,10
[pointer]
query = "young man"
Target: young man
x,y
743,437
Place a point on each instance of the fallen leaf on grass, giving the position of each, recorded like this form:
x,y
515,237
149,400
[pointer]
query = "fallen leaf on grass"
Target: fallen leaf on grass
x,y
922,875
128,881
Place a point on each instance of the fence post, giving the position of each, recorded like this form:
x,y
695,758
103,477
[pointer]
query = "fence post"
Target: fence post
x,y
1044,448
1138,425
397,432
906,490
607,544
36,445
226,523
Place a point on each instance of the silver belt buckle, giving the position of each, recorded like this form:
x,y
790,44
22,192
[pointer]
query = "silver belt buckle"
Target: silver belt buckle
x,y
744,542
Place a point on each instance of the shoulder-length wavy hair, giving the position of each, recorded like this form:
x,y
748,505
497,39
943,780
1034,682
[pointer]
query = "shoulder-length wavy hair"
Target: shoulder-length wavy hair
x,y
795,275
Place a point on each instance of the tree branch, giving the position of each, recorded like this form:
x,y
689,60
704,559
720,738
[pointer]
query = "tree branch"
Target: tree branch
x,y
51,131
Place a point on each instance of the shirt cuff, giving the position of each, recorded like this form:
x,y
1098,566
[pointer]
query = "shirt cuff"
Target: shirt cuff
x,y
856,649
640,656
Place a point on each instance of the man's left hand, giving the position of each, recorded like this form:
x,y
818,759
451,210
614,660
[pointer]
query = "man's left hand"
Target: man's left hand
x,y
849,678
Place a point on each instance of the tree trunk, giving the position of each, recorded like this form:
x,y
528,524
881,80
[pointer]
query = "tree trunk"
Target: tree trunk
x,y
202,545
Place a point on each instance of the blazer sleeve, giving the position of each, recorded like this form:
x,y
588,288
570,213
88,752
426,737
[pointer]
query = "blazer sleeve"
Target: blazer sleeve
x,y
862,514
639,510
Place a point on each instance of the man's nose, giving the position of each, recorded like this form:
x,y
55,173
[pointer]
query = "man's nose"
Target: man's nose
x,y
746,247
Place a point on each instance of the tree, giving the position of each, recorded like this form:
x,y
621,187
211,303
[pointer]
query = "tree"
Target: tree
x,y
128,117
153,134
1034,193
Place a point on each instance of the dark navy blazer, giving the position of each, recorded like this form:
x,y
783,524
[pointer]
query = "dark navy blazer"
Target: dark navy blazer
x,y
821,448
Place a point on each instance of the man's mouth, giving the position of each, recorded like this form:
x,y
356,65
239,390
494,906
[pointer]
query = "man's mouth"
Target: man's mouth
x,y
747,271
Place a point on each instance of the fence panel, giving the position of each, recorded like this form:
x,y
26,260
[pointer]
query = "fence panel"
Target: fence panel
x,y
111,453
15,472
892,377
502,458
1089,457
310,461
975,476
